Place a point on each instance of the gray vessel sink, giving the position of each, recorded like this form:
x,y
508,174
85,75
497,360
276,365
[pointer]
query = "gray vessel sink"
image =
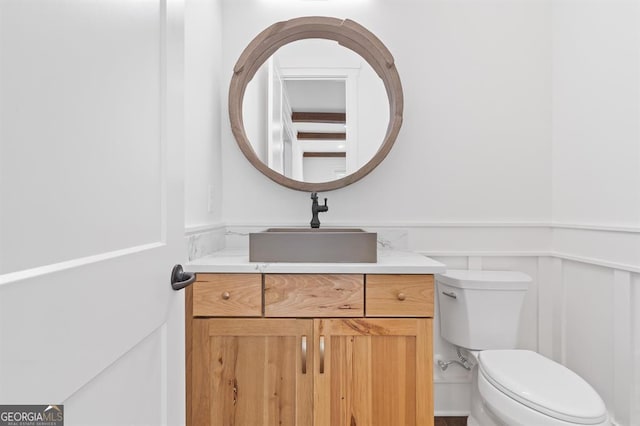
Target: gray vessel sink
x,y
324,245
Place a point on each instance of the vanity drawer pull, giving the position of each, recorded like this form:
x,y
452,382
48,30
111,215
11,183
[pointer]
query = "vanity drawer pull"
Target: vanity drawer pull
x,y
321,346
303,351
401,296
226,295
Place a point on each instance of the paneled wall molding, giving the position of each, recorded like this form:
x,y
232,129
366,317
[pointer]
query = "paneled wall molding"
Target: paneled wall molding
x,y
445,224
403,224
552,254
481,253
616,249
598,262
612,247
597,227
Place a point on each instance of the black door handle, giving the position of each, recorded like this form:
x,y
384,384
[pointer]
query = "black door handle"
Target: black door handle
x,y
181,279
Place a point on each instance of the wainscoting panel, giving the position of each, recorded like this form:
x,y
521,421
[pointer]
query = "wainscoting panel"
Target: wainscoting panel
x,y
622,345
587,329
549,306
634,394
614,248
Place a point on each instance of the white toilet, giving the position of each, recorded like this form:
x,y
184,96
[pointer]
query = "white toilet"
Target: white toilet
x,y
479,312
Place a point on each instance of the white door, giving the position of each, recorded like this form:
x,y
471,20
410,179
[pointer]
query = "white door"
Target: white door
x,y
91,208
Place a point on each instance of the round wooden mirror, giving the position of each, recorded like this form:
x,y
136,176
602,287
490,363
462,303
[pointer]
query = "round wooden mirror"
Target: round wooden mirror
x,y
258,54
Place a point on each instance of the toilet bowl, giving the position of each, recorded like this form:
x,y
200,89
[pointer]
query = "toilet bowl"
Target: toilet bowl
x,y
479,313
521,387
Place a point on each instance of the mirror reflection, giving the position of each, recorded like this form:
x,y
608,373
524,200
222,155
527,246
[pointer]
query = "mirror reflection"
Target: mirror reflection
x,y
315,111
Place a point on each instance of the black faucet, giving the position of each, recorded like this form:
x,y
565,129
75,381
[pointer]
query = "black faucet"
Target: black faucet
x,y
316,208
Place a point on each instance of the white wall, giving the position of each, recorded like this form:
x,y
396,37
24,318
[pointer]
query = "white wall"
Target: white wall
x,y
475,140
205,90
596,110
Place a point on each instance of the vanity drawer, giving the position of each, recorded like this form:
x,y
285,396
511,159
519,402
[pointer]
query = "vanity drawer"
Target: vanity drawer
x,y
227,295
400,295
313,295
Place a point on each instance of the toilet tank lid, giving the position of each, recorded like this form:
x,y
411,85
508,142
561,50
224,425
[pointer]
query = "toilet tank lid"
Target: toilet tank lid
x,y
485,280
543,385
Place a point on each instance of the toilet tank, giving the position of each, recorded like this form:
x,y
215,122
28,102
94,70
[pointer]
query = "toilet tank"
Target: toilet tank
x,y
480,310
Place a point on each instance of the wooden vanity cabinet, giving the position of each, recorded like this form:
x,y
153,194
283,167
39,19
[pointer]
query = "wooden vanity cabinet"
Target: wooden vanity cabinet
x,y
373,372
326,350
251,372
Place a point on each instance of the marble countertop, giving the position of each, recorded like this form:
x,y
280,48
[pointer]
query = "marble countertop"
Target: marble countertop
x,y
389,262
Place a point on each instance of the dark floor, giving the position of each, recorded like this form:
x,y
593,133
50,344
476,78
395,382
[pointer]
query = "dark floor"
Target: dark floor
x,y
451,421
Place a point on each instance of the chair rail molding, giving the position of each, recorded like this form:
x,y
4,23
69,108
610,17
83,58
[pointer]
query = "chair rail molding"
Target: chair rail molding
x,y
616,247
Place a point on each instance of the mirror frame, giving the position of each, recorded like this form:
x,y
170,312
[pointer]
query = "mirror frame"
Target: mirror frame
x,y
347,33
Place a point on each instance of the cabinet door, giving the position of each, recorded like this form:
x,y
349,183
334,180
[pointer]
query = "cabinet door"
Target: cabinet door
x,y
373,372
251,372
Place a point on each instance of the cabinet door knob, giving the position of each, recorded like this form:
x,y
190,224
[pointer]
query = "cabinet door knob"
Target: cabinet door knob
x,y
226,295
401,296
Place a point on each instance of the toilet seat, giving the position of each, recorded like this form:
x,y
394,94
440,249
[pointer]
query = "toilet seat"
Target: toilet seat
x,y
542,385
